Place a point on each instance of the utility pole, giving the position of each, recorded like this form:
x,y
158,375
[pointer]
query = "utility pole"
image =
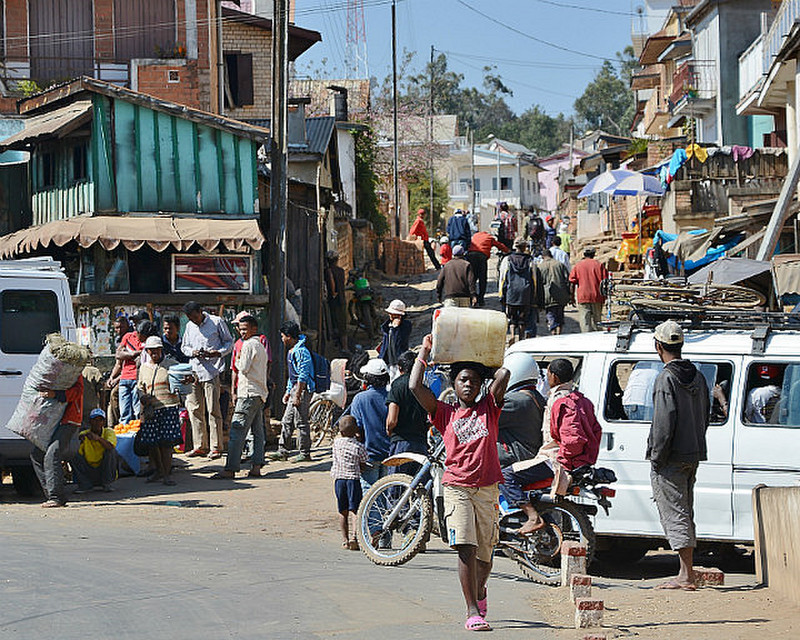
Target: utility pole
x,y
472,172
279,180
394,122
431,149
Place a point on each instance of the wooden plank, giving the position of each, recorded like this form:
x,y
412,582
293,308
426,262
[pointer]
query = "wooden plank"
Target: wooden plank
x,y
238,177
220,168
176,164
781,212
137,151
197,178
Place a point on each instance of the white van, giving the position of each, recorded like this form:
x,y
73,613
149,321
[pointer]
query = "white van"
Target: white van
x,y
34,301
753,437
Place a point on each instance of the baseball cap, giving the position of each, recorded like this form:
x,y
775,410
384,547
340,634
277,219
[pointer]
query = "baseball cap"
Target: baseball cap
x,y
97,413
397,307
444,240
375,367
458,250
153,342
669,332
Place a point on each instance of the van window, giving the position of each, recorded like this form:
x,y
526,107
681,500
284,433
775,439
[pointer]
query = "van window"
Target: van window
x,y
773,394
629,395
26,317
544,361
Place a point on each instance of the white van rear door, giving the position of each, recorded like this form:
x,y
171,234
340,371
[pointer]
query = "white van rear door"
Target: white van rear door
x,y
624,412
29,310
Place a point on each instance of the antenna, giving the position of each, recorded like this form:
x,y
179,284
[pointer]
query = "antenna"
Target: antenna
x,y
356,40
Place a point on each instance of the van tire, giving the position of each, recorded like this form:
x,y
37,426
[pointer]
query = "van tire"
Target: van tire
x,y
26,484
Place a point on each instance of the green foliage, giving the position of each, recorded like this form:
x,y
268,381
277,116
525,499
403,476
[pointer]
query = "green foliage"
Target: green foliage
x,y
537,130
638,146
366,149
607,103
28,88
419,197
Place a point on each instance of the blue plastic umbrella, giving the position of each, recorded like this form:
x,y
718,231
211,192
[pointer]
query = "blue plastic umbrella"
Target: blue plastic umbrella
x,y
604,182
637,184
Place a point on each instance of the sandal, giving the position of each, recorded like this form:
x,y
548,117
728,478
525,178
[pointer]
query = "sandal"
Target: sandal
x,y
483,605
223,475
477,623
353,545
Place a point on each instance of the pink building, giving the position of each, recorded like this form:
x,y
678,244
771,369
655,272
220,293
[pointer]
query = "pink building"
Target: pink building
x,y
552,165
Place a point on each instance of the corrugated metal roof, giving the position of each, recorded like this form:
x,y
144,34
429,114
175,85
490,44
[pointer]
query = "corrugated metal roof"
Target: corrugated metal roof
x,y
318,133
53,124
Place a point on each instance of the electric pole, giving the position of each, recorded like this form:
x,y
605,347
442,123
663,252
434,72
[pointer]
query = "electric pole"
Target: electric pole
x,y
279,179
430,210
394,123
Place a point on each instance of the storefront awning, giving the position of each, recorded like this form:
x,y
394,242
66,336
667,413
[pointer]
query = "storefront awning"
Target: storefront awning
x,y
53,124
133,232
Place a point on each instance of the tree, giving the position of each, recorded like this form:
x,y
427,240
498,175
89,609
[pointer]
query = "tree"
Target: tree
x,y
606,102
537,130
419,197
366,149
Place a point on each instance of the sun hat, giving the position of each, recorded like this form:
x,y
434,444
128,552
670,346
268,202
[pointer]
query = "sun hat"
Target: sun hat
x,y
397,308
375,367
97,413
669,332
153,342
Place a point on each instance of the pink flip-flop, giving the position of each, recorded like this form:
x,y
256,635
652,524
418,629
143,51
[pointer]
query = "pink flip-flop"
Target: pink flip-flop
x,y
477,623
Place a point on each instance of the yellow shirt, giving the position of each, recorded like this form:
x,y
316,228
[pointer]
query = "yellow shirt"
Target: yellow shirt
x,y
92,450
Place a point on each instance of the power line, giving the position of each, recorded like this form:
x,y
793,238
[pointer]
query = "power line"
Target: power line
x,y
565,5
520,63
529,36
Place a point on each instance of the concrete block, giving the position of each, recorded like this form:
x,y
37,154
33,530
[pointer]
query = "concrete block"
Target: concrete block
x,y
588,613
580,586
708,577
573,561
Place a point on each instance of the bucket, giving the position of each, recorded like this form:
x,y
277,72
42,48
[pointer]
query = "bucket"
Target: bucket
x,y
177,373
475,335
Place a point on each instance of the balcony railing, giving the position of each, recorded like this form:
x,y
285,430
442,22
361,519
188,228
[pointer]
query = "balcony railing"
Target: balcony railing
x,y
787,15
694,80
497,196
460,190
751,67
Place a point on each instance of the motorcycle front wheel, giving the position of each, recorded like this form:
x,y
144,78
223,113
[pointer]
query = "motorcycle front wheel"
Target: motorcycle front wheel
x,y
539,555
409,532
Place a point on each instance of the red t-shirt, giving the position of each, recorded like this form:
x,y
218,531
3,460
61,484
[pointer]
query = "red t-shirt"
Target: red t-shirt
x,y
418,229
131,342
470,440
483,242
587,274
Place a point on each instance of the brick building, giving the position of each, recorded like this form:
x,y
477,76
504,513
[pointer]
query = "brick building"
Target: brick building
x,y
160,47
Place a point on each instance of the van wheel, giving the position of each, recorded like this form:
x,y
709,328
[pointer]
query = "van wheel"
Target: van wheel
x,y
26,484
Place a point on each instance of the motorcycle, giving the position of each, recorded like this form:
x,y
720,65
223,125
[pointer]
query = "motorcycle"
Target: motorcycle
x,y
398,513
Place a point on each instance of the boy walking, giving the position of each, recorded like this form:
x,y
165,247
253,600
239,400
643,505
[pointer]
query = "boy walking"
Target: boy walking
x,y
349,458
470,432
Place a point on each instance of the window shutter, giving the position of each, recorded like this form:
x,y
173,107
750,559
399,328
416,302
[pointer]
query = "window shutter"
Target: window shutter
x,y
244,80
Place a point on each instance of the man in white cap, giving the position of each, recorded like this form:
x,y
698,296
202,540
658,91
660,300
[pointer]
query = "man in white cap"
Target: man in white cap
x,y
370,411
396,332
676,445
456,285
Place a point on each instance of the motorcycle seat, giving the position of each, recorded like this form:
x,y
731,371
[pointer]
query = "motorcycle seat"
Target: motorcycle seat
x,y
539,484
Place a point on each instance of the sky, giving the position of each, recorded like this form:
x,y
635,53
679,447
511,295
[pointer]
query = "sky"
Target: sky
x,y
547,75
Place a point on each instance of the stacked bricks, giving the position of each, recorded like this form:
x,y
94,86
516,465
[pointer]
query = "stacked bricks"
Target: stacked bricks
x,y
705,577
402,257
573,561
153,79
104,30
580,586
588,613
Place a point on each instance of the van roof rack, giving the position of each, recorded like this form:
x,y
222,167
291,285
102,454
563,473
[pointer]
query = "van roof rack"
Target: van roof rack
x,y
760,323
41,263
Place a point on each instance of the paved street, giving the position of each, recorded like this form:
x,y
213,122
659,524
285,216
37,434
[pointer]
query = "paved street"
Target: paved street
x,y
65,576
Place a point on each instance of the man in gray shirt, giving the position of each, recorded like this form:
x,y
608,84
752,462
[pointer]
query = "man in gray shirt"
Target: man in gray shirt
x,y
206,341
676,445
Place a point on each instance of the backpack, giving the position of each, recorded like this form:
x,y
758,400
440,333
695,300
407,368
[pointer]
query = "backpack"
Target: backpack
x,y
518,290
322,372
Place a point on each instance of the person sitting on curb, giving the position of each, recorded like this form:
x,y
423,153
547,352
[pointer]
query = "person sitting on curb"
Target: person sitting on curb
x,y
95,464
469,430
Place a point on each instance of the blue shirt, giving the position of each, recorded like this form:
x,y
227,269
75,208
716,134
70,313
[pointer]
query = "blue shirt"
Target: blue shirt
x,y
369,410
301,366
174,351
